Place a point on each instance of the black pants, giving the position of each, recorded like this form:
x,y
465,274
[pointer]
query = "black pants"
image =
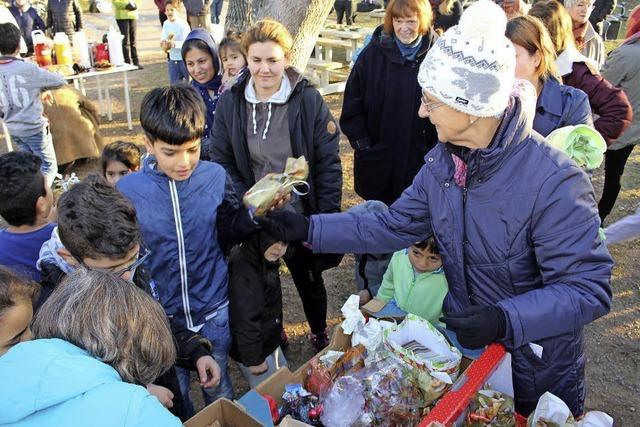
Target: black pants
x,y
342,8
128,29
614,162
310,286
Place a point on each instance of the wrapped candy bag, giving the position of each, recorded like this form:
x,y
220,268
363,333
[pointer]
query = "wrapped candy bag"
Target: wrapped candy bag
x,y
582,143
551,411
263,195
491,408
393,396
423,349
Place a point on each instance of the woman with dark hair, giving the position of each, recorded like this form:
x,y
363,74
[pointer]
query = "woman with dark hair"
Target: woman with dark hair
x,y
380,103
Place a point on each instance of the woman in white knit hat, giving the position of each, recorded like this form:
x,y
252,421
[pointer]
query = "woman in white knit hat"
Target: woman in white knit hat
x,y
515,220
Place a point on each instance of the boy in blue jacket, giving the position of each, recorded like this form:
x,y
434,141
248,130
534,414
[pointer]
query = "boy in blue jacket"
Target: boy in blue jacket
x,y
189,215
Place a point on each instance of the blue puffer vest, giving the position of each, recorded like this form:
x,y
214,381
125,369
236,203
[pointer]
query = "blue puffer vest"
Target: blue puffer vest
x,y
522,235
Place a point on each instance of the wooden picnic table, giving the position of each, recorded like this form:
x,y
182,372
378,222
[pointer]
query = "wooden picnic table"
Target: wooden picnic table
x,y
355,37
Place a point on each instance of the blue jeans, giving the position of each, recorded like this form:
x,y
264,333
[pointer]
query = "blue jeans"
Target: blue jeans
x,y
216,9
217,331
41,145
177,72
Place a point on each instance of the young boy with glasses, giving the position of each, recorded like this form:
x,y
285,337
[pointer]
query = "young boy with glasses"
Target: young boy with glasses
x,y
97,230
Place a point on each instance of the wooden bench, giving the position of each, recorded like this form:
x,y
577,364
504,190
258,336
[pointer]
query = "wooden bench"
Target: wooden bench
x,y
324,69
325,46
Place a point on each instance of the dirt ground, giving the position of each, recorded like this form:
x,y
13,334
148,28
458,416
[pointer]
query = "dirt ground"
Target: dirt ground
x,y
613,342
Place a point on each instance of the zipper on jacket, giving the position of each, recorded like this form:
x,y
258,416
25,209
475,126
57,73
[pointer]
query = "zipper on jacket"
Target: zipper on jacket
x,y
413,282
182,256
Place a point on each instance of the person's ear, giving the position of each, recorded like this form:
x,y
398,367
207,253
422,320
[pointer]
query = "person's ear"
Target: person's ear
x,y
537,57
67,257
148,144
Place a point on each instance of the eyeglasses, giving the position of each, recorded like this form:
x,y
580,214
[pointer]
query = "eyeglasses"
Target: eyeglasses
x,y
132,267
430,105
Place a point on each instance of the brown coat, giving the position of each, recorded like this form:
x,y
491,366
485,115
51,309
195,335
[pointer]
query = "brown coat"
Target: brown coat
x,y
74,122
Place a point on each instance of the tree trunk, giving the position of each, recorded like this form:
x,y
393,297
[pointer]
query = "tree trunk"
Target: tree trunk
x,y
303,18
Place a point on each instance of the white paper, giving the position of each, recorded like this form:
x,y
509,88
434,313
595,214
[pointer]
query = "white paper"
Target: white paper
x,y
595,419
330,357
353,318
552,409
537,349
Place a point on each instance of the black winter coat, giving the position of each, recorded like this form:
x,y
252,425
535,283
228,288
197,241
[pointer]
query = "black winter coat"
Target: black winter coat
x,y
64,16
255,302
314,134
190,346
380,118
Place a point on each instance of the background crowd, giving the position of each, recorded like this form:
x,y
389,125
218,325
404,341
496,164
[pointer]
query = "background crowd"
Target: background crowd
x,y
153,268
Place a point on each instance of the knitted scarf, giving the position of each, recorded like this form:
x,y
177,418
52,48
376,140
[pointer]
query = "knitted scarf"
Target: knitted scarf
x,y
409,51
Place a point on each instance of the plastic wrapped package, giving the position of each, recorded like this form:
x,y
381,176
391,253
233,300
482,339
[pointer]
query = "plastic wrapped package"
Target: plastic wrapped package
x,y
551,411
301,405
392,395
344,404
491,408
264,193
582,143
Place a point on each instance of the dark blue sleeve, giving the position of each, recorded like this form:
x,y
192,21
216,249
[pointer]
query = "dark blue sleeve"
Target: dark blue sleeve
x,y
407,221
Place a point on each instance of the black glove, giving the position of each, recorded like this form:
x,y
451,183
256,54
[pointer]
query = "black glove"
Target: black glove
x,y
477,327
285,226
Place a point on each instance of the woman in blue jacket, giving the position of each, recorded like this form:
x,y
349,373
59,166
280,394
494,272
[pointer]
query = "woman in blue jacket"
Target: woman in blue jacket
x,y
515,220
82,369
558,105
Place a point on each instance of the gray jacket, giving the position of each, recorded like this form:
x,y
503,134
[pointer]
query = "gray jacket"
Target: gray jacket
x,y
625,229
20,86
622,69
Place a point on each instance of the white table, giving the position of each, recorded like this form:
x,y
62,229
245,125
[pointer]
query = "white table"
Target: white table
x,y
353,36
79,79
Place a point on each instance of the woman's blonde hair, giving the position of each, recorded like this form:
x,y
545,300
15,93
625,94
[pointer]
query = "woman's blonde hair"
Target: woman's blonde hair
x,y
529,33
557,21
268,30
407,8
445,7
112,320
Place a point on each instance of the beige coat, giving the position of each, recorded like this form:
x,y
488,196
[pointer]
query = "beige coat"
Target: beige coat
x,y
74,121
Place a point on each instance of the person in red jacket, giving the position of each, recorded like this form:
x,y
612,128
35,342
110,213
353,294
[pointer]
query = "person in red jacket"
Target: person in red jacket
x,y
608,103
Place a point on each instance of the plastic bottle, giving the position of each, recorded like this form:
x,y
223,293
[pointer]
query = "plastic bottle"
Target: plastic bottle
x,y
114,38
41,48
81,49
62,48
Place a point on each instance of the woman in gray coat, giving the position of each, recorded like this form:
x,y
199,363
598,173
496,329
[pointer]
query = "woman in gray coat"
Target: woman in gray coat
x,y
622,69
64,16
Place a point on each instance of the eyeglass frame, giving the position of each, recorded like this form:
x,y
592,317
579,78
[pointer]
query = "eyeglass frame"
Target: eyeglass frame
x,y
137,263
430,105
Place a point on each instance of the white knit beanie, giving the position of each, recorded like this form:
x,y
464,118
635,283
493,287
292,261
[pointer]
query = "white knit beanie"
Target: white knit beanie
x,y
471,67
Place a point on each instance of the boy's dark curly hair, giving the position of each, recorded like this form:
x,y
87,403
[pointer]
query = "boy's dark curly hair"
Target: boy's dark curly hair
x,y
96,221
429,244
22,185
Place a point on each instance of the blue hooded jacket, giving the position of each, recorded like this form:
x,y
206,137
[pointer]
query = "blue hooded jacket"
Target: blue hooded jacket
x,y
51,382
203,89
559,106
178,224
523,235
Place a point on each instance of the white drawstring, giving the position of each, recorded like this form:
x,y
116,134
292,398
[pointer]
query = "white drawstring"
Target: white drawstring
x,y
266,126
255,125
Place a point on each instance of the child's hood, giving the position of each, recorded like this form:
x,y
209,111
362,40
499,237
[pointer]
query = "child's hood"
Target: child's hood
x,y
202,34
45,373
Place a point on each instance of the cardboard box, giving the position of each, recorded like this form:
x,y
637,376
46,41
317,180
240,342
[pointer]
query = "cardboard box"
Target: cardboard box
x,y
274,385
228,413
493,367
